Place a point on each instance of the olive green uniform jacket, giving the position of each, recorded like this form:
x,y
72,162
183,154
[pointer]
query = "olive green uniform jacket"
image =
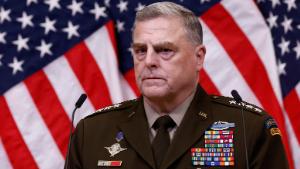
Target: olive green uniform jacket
x,y
100,130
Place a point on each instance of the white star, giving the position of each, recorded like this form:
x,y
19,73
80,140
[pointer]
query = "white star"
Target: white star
x,y
259,1
16,65
274,3
287,24
4,15
120,26
290,4
130,50
257,109
122,5
298,26
53,4
21,43
25,20
48,25
98,11
2,37
139,7
272,20
30,1
232,102
203,1
75,7
249,106
71,30
281,68
44,48
1,56
297,50
284,46
107,3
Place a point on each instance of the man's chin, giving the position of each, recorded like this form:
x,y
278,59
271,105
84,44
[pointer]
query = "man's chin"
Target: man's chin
x,y
154,92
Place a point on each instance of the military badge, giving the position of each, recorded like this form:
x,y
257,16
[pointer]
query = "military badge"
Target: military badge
x,y
119,136
271,124
204,115
275,131
116,147
109,107
104,163
246,105
218,149
221,125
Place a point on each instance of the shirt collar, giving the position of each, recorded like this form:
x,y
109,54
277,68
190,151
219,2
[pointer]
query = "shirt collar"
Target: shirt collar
x,y
177,114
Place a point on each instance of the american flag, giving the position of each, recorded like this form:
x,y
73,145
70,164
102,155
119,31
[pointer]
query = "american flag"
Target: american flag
x,y
51,51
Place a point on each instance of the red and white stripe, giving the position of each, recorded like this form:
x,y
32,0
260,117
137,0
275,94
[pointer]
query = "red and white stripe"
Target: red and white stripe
x,y
33,128
67,87
37,111
4,159
240,55
293,122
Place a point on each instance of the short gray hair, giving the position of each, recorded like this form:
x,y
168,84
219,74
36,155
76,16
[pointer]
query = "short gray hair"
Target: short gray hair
x,y
190,21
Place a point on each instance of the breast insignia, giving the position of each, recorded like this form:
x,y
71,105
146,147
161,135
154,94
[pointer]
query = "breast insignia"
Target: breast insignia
x,y
116,147
218,149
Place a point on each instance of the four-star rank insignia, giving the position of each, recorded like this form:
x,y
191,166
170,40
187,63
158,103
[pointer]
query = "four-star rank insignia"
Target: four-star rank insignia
x,y
218,149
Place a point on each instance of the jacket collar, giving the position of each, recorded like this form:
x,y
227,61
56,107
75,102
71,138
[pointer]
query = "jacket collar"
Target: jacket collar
x,y
136,131
196,120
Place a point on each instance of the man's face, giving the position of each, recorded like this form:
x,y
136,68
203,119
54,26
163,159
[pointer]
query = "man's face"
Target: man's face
x,y
166,62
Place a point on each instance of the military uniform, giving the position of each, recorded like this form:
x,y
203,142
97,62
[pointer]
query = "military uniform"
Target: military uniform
x,y
119,136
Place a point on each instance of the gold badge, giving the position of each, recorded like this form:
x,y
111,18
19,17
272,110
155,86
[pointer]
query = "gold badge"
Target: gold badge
x,y
275,131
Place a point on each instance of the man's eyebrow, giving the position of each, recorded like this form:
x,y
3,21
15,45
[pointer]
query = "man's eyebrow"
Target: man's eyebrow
x,y
138,45
165,45
157,45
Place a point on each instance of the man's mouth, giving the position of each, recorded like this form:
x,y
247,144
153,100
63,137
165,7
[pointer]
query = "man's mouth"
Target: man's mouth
x,y
152,78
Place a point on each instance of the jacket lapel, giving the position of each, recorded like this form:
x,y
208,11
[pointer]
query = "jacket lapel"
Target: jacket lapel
x,y
136,132
196,120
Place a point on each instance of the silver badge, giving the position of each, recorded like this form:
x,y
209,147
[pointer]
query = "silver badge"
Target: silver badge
x,y
222,125
115,149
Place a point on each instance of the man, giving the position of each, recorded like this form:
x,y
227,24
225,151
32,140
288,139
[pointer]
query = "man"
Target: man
x,y
175,124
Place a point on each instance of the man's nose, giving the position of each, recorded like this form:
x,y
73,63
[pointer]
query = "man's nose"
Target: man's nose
x,y
152,59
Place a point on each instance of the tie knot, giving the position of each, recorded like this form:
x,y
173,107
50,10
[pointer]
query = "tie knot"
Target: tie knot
x,y
164,122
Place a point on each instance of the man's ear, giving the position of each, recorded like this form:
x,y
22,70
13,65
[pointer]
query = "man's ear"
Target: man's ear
x,y
200,54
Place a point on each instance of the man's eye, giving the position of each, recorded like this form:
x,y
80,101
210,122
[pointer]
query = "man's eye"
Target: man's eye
x,y
140,50
166,53
140,53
